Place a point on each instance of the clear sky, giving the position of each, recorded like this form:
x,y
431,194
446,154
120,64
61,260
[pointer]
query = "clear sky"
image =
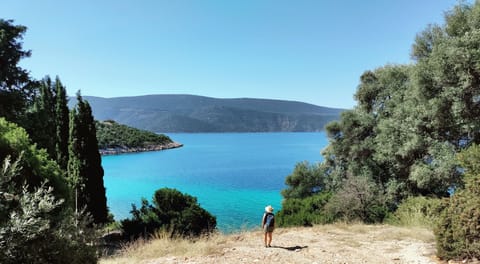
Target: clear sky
x,y
303,50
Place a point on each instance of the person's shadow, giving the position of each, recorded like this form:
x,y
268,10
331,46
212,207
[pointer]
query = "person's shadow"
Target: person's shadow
x,y
294,248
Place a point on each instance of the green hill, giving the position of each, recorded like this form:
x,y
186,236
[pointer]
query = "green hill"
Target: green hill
x,y
188,113
114,138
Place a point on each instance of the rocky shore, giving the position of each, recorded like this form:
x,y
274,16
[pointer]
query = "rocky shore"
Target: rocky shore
x,y
124,149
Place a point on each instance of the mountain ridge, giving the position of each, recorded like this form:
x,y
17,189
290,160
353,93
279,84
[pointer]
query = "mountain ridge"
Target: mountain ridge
x,y
193,113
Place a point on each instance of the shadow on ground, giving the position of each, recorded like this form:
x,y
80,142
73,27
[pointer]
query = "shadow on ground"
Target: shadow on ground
x,y
294,248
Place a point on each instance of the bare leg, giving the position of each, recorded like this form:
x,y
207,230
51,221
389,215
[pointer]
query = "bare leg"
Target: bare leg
x,y
265,238
269,238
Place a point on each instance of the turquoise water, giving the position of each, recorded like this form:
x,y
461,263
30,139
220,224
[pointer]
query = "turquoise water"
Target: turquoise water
x,y
233,175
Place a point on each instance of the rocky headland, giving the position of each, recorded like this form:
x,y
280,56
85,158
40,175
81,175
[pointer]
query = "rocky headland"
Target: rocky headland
x,y
124,149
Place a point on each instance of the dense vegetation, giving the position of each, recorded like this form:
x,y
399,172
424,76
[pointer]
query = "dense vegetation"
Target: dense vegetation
x,y
52,195
174,212
188,113
414,134
401,140
111,134
51,182
37,221
457,233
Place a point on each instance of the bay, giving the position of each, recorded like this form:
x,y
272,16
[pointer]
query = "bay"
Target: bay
x,y
233,175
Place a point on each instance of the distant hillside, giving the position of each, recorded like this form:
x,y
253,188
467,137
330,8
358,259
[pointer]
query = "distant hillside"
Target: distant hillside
x,y
189,113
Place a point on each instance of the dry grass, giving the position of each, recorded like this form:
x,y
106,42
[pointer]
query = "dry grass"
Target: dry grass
x,y
417,233
386,232
352,235
162,245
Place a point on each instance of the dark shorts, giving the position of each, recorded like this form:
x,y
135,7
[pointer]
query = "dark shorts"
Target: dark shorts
x,y
268,229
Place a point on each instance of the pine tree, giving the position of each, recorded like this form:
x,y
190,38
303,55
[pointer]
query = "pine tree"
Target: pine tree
x,y
15,84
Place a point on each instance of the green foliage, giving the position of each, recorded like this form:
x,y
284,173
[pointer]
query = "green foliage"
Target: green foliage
x,y
35,229
417,211
36,166
62,125
410,121
111,134
458,231
85,171
173,211
359,198
304,212
305,180
48,120
42,116
15,84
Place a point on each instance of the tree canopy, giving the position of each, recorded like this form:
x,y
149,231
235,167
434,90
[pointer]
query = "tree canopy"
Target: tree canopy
x,y
111,134
177,213
16,86
401,138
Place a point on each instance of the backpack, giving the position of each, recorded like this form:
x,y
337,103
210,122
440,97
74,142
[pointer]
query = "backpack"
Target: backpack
x,y
270,220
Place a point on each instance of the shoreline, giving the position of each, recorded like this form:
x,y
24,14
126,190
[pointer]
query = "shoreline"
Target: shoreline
x,y
123,149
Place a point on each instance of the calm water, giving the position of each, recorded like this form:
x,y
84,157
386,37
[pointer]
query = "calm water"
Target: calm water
x,y
233,175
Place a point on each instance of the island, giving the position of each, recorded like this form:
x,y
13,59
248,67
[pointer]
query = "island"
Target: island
x,y
114,138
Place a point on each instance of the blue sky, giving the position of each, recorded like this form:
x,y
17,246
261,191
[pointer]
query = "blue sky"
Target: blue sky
x,y
304,50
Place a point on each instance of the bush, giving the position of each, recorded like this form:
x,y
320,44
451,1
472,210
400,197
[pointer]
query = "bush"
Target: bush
x,y
458,231
304,212
177,213
359,199
35,165
417,212
35,229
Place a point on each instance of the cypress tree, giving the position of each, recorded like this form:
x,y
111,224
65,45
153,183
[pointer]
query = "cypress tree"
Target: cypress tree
x,y
73,165
62,124
45,107
48,125
84,166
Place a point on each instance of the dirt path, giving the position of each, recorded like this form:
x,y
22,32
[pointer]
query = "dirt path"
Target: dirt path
x,y
322,244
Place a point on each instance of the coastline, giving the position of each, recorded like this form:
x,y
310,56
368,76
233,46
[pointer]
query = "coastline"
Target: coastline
x,y
124,149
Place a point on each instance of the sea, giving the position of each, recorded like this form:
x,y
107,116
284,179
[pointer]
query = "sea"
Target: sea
x,y
234,176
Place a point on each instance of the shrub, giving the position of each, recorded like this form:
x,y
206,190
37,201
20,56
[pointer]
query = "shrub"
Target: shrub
x,y
417,212
358,199
35,229
35,165
458,231
178,213
304,212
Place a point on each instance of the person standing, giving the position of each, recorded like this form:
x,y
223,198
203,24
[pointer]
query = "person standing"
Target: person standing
x,y
268,225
